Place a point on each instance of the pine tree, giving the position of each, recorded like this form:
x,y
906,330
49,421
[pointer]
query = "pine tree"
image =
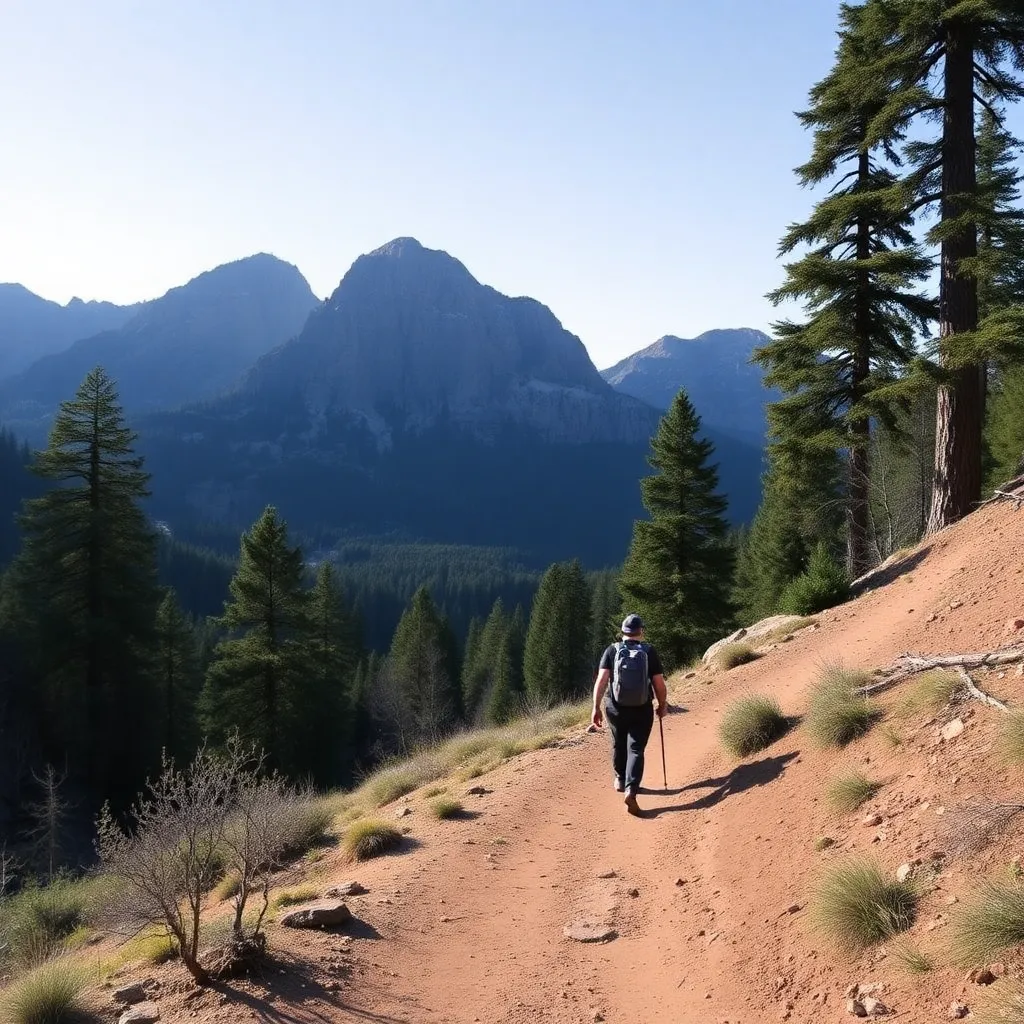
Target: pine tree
x,y
942,60
678,572
557,665
470,656
334,652
82,592
1006,426
858,277
480,679
508,695
178,679
605,611
419,661
258,681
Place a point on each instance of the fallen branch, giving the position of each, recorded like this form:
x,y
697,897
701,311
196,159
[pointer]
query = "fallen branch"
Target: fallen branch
x,y
907,665
1012,490
977,694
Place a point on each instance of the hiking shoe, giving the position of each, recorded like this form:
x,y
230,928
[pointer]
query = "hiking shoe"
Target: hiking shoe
x,y
631,805
620,786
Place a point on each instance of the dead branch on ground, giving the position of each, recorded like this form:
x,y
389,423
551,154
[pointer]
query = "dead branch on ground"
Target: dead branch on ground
x,y
907,665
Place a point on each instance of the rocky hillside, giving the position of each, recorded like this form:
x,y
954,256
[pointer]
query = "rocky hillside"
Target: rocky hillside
x,y
32,327
192,344
714,368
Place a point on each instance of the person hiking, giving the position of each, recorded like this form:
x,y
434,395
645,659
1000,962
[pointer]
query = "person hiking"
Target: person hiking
x,y
635,674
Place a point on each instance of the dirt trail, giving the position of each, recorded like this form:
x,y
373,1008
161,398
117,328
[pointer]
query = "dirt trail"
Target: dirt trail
x,y
470,924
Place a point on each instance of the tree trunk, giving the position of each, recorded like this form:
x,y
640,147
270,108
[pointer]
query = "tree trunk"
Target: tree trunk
x,y
960,408
858,507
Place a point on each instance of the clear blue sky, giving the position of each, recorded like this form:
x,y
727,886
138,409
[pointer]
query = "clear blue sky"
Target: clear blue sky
x,y
627,163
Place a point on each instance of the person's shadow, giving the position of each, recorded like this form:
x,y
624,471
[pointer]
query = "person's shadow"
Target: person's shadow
x,y
740,779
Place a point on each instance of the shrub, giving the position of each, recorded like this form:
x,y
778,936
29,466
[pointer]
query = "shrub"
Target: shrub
x,y
46,995
445,808
838,714
295,895
308,825
750,724
991,923
847,792
929,692
912,958
435,791
823,584
228,886
857,905
36,922
891,735
369,838
732,655
1010,744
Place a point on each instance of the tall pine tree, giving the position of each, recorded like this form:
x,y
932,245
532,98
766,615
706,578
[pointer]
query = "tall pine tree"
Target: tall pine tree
x,y
508,693
178,679
859,278
678,573
258,683
82,592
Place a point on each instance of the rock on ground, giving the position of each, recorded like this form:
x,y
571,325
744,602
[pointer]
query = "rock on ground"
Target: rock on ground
x,y
140,1013
320,914
750,633
130,994
346,889
588,931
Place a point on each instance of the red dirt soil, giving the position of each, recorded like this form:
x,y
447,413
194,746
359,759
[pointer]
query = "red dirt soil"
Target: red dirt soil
x,y
711,887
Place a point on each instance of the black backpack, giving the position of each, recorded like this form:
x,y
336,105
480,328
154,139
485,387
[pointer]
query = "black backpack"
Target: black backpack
x,y
631,685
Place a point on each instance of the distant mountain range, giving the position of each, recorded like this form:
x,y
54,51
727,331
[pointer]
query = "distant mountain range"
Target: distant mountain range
x,y
726,388
415,402
32,327
195,342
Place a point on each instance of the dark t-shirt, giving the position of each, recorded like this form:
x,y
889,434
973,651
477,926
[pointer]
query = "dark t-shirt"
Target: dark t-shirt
x,y
654,666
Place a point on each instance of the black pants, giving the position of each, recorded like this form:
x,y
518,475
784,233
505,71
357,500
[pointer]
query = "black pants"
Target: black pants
x,y
631,729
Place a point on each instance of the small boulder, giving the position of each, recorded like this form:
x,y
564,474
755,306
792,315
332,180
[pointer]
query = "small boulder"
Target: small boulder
x,y
951,730
855,1007
589,931
477,791
320,914
140,1013
130,995
345,889
1014,625
903,872
957,1010
981,976
403,812
874,1007
611,873
872,820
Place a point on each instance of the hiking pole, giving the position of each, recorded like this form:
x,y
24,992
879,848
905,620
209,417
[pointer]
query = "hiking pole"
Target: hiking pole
x,y
664,773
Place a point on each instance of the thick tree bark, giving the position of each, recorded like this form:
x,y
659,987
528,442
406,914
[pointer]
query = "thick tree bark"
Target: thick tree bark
x,y
960,408
858,509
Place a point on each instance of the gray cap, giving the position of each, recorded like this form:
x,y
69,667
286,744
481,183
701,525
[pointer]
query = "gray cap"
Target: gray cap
x,y
632,624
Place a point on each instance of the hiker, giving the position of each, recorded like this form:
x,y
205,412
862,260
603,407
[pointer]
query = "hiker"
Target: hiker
x,y
636,675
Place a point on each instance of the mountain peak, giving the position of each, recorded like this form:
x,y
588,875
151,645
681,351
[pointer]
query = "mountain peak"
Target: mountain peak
x,y
399,247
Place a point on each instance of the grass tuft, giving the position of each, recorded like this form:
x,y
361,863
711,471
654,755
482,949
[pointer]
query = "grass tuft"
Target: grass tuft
x,y
837,714
732,655
780,633
928,693
857,905
750,724
48,994
368,838
291,897
435,791
445,808
992,922
227,886
39,921
912,959
891,735
1010,743
847,792
824,843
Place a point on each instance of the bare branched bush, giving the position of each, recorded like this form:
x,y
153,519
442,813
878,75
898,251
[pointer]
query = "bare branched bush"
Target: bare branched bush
x,y
191,825
970,827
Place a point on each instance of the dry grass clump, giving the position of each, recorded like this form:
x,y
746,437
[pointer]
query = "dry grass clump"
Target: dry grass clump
x,y
824,843
780,633
1010,744
991,923
445,808
750,724
151,946
732,655
368,838
293,896
847,792
227,886
837,713
891,735
48,994
928,693
435,791
912,959
857,905
40,921
1001,1004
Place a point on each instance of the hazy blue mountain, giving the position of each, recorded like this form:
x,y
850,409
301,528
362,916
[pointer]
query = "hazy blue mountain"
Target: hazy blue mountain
x,y
32,327
725,387
419,403
194,343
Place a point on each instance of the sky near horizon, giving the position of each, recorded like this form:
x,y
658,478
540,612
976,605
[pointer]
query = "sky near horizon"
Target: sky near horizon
x,y
627,163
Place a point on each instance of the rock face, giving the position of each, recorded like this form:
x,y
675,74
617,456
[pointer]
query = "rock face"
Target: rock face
x,y
320,914
195,342
750,634
410,337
